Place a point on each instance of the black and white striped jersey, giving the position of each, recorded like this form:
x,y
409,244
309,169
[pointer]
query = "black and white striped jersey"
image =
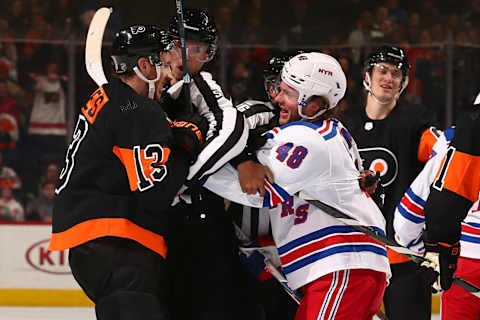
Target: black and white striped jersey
x,y
228,132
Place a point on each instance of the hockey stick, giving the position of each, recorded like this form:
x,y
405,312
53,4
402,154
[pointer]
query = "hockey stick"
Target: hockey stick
x,y
412,255
269,267
93,46
186,77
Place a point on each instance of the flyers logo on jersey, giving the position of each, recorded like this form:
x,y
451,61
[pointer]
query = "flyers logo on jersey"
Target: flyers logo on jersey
x,y
381,160
144,167
93,106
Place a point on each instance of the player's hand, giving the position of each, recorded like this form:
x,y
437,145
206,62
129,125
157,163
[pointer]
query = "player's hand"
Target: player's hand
x,y
443,263
251,176
189,132
369,181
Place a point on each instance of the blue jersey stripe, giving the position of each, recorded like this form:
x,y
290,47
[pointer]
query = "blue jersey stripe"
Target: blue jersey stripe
x,y
407,215
467,238
319,234
473,224
419,201
331,251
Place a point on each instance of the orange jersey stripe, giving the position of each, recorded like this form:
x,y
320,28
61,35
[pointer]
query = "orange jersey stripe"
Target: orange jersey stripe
x,y
148,164
395,257
463,175
103,227
428,139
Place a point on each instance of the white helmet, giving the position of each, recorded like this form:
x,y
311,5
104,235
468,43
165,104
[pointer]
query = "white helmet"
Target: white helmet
x,y
315,74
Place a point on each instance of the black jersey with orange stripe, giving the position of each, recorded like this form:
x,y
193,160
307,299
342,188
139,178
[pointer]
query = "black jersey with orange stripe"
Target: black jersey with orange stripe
x,y
122,171
457,184
396,146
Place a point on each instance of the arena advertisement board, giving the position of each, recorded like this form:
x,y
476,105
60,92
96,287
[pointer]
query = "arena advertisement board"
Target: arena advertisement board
x,y
30,273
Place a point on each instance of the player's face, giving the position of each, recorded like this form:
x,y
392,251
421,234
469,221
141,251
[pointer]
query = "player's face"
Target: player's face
x,y
287,99
196,57
386,81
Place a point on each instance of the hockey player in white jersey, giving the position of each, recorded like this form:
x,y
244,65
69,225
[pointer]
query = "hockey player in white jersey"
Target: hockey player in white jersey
x,y
341,272
409,225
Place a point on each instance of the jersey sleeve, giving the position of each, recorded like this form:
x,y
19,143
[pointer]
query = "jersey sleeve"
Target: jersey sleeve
x,y
256,113
457,183
409,216
228,131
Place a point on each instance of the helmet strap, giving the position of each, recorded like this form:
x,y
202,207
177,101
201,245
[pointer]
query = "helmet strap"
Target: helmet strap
x,y
302,104
151,83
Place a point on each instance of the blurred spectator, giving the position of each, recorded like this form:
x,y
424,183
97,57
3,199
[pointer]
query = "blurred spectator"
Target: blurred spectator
x,y
47,129
361,34
17,18
437,32
398,14
380,15
34,51
8,174
224,21
8,61
420,71
51,173
9,122
429,12
40,208
471,17
414,28
297,21
453,25
10,209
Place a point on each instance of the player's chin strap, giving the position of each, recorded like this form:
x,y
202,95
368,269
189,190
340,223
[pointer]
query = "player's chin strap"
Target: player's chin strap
x,y
151,83
366,85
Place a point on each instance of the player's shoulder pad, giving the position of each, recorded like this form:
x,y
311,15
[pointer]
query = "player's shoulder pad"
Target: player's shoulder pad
x,y
306,133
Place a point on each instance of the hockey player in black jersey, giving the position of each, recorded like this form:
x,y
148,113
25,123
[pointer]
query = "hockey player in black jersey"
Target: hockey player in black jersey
x,y
455,189
394,138
204,283
122,170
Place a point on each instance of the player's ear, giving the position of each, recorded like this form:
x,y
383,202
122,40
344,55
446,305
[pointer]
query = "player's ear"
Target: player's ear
x,y
143,64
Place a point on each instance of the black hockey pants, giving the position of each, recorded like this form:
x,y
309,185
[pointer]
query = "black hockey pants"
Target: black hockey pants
x,y
124,279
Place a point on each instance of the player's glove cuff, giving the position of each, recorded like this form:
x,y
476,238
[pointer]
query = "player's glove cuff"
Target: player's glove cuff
x,y
446,256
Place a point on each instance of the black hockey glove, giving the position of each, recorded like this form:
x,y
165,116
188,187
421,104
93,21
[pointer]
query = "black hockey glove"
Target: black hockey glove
x,y
190,133
369,181
443,263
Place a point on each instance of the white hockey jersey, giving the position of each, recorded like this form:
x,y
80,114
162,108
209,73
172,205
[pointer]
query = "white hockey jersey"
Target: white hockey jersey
x,y
321,160
409,218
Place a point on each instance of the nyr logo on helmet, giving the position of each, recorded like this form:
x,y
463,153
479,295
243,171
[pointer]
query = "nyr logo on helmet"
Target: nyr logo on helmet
x,y
137,29
382,160
302,58
325,72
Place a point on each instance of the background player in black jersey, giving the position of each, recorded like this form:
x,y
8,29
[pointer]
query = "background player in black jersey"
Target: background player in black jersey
x,y
122,170
393,138
202,251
